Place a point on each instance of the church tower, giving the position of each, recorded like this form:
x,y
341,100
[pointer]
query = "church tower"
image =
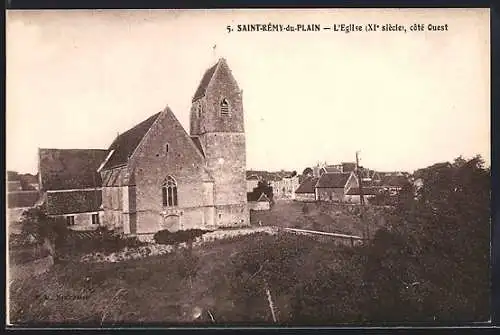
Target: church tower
x,y
218,122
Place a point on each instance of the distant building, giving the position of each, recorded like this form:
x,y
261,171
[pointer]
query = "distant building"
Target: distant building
x,y
354,194
14,185
70,185
252,182
284,183
307,190
334,186
258,203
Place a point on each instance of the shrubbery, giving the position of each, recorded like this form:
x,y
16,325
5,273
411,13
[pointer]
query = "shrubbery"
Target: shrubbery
x,y
101,240
181,236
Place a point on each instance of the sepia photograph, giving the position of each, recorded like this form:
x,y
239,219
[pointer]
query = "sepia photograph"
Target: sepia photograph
x,y
248,167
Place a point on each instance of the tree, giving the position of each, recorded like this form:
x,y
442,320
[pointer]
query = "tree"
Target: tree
x,y
433,262
42,229
308,172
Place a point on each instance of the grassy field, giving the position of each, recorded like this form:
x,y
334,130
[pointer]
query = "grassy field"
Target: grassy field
x,y
322,217
170,289
219,280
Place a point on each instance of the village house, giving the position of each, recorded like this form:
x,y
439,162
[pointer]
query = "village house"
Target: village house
x,y
333,187
354,194
284,183
320,168
156,176
258,202
307,190
252,182
70,185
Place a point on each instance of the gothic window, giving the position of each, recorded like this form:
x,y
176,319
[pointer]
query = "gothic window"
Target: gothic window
x,y
169,192
224,107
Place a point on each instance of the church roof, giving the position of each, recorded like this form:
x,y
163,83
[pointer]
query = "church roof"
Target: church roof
x,y
125,144
205,80
63,169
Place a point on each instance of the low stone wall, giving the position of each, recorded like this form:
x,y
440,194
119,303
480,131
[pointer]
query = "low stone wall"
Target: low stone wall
x,y
154,249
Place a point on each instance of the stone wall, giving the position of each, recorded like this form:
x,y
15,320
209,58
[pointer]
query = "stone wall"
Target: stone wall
x,y
223,139
152,164
330,194
259,205
309,197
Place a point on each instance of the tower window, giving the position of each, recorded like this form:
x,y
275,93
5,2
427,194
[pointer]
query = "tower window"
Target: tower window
x,y
199,111
169,192
167,148
224,107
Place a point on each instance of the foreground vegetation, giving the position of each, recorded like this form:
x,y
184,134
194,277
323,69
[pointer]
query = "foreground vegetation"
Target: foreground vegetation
x,y
430,264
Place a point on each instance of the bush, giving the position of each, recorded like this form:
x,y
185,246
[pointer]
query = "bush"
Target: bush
x,y
101,240
181,236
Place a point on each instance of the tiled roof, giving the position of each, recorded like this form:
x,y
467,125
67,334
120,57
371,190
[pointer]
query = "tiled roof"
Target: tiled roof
x,y
333,180
366,191
205,80
62,169
125,144
331,169
73,202
348,166
394,181
22,199
255,197
307,186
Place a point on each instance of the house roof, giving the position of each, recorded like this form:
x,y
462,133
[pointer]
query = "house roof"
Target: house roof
x,y
366,191
205,81
307,186
255,197
22,199
394,180
73,202
62,169
331,169
125,144
333,180
348,166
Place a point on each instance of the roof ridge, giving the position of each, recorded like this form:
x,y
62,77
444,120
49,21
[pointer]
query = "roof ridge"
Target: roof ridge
x,y
206,79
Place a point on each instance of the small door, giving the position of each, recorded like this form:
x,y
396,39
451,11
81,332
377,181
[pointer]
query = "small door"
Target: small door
x,y
172,222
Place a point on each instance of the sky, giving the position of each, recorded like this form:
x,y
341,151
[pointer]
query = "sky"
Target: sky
x,y
75,79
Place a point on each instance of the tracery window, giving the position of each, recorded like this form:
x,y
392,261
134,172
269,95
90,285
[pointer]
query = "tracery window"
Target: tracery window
x,y
169,192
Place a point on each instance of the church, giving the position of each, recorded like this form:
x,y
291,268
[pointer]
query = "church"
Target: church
x,y
158,176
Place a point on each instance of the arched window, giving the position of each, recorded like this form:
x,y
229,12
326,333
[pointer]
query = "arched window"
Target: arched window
x,y
224,107
169,192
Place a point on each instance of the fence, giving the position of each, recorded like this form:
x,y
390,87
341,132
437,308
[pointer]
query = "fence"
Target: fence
x,y
349,240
